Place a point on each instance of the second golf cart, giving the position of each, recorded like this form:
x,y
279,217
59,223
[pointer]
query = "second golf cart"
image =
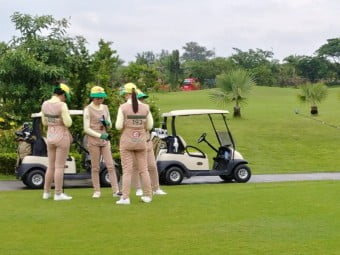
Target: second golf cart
x,y
32,157
176,159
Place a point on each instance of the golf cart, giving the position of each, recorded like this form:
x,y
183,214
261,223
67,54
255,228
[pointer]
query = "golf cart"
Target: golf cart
x,y
176,159
32,158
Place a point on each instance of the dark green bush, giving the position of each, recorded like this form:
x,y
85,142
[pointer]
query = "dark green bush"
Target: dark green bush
x,y
8,143
7,163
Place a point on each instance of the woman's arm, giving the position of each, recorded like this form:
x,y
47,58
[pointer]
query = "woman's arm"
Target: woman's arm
x,y
86,123
149,121
120,119
109,117
65,115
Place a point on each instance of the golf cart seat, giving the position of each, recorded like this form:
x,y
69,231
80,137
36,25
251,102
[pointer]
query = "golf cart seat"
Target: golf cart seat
x,y
39,147
181,144
183,148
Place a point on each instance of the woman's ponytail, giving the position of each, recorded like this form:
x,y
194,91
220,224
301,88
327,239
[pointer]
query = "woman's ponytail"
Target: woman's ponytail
x,y
134,101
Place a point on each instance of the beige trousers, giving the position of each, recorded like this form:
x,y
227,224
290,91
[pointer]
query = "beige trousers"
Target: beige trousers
x,y
95,153
135,162
153,172
57,155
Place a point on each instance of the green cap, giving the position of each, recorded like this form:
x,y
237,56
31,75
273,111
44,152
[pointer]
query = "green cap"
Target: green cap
x,y
66,89
98,92
141,95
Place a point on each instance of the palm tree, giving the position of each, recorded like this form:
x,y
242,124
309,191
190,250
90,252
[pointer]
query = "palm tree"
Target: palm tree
x,y
313,94
233,87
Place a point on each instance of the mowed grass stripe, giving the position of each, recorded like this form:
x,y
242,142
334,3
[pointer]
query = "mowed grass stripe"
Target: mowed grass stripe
x,y
268,218
269,135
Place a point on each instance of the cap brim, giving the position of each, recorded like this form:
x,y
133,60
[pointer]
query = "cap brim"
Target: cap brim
x,y
98,95
68,97
142,96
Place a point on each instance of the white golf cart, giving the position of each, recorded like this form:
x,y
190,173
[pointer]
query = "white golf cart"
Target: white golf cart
x,y
32,157
176,159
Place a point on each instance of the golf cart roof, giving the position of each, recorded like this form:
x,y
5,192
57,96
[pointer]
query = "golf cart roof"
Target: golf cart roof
x,y
72,112
193,112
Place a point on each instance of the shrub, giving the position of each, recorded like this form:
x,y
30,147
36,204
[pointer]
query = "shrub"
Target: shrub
x,y
7,163
7,141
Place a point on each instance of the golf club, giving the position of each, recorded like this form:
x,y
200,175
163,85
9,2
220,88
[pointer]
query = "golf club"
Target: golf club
x,y
321,121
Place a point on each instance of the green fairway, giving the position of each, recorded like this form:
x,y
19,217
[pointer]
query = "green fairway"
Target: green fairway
x,y
269,135
269,218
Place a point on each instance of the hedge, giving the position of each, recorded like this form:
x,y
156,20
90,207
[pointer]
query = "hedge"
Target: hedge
x,y
7,163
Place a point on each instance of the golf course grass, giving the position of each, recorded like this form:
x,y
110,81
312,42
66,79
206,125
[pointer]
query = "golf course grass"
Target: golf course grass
x,y
287,218
270,135
267,218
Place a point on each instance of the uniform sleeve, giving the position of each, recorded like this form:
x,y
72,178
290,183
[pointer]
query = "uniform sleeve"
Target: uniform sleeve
x,y
120,119
65,115
86,123
109,116
149,121
43,120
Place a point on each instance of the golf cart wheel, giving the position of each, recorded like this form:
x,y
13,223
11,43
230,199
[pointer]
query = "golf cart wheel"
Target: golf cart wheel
x,y
105,180
24,180
174,175
226,178
35,179
162,179
242,173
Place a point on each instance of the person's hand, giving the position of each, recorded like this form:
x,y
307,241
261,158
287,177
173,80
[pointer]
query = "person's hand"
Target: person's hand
x,y
104,136
105,123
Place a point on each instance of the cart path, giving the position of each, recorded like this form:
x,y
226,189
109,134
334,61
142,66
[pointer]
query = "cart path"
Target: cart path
x,y
260,178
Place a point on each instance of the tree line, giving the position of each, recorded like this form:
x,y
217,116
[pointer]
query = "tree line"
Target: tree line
x,y
43,53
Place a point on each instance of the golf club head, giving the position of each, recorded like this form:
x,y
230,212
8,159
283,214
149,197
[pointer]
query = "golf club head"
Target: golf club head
x,y
296,111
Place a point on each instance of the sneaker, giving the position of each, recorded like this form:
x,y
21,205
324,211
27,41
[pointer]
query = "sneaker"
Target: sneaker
x,y
61,196
96,194
46,195
146,199
139,192
159,192
123,201
117,194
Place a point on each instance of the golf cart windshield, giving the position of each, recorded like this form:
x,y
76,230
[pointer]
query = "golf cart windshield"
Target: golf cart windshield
x,y
224,138
217,119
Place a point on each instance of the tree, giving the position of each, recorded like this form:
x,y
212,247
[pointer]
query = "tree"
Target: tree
x,y
331,50
161,65
169,68
146,58
260,63
79,73
233,87
174,68
104,62
314,68
252,58
207,70
313,94
32,62
193,51
143,76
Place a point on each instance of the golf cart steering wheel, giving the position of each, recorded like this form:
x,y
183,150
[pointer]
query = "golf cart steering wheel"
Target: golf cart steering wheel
x,y
202,138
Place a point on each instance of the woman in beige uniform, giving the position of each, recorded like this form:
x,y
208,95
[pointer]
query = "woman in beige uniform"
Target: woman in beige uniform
x,y
56,117
134,119
152,167
97,121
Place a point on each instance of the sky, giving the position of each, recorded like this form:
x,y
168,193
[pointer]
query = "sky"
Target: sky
x,y
285,27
